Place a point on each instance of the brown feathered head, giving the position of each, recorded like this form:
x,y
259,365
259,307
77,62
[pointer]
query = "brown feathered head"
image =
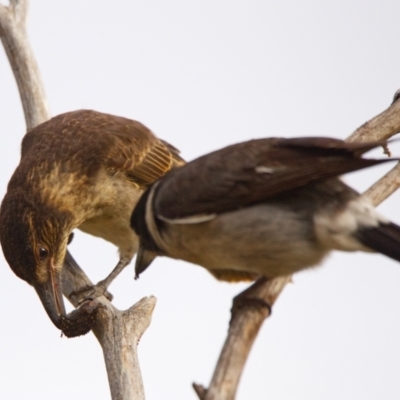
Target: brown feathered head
x,y
34,240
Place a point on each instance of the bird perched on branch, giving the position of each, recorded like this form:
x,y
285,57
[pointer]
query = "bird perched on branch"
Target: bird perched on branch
x,y
266,207
82,169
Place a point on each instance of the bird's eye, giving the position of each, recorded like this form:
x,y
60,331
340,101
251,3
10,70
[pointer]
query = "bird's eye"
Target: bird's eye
x,y
43,252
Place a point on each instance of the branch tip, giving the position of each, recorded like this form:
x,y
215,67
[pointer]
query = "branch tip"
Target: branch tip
x,y
200,390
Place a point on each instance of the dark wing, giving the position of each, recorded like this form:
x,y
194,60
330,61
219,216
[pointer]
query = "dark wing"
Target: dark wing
x,y
251,172
91,140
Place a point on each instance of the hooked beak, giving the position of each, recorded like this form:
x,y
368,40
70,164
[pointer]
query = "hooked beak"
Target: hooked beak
x,y
143,259
50,293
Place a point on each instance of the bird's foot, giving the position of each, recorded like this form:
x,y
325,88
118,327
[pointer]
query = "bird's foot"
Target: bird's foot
x,y
100,289
91,293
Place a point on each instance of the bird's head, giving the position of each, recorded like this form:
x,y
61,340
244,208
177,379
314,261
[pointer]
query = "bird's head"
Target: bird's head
x,y
34,240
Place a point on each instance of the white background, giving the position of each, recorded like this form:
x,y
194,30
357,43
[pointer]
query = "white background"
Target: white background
x,y
203,75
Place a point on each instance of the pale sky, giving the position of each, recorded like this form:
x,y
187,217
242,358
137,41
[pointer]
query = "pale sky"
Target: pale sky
x,y
203,75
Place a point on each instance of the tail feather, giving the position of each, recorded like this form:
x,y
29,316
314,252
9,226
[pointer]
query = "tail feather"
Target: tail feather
x,y
384,239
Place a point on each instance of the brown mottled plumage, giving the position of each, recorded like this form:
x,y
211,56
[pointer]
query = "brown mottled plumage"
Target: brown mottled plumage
x,y
82,169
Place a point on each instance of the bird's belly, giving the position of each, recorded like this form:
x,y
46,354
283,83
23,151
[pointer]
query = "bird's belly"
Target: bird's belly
x,y
111,221
255,239
114,229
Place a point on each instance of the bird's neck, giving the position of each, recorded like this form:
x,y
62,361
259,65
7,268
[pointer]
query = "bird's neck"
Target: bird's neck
x,y
68,192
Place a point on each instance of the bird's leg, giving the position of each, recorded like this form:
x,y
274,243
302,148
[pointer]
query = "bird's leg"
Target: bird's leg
x,y
100,288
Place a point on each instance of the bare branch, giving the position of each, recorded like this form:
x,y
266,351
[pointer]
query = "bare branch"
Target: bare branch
x,y
200,390
26,71
385,187
20,10
248,315
117,331
381,127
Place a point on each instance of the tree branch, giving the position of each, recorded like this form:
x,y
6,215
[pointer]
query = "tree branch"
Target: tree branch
x,y
385,187
117,331
22,61
250,309
382,127
246,322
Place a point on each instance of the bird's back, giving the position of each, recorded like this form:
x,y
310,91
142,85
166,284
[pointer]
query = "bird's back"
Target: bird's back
x,y
87,140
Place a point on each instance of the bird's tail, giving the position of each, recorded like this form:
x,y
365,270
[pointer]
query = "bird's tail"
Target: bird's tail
x,y
384,239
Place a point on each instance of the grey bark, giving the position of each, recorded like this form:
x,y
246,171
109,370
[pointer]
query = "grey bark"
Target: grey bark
x,y
22,61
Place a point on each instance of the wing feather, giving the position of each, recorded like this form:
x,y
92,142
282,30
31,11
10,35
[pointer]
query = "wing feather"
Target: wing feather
x,y
92,141
232,177
156,162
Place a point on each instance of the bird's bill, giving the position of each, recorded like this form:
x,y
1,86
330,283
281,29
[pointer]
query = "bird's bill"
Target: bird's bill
x,y
50,293
143,259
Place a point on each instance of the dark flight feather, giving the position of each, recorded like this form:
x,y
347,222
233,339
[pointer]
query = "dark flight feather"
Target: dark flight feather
x,y
384,239
251,172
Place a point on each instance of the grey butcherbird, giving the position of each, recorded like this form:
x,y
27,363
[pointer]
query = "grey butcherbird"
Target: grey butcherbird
x,y
266,207
82,169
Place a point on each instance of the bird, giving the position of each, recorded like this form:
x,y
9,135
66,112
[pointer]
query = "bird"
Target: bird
x,y
82,169
262,209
